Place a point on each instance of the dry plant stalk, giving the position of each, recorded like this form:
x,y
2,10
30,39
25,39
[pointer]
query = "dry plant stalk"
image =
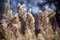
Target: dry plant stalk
x,y
21,26
21,11
31,20
46,28
31,25
8,12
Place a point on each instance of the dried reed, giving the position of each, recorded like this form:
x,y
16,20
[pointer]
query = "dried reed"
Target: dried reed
x,y
21,26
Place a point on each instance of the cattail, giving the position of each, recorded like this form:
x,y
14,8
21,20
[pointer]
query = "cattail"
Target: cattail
x,y
46,27
16,21
31,19
22,12
16,26
49,32
8,13
46,31
46,20
23,19
41,16
6,33
7,7
50,13
31,22
21,26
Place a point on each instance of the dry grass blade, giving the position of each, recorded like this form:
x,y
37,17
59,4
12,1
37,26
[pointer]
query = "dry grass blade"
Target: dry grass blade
x,y
21,26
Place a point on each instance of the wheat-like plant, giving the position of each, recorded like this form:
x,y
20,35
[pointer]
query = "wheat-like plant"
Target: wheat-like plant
x,y
21,25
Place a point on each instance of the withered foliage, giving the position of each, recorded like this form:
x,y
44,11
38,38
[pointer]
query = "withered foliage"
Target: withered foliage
x,y
22,25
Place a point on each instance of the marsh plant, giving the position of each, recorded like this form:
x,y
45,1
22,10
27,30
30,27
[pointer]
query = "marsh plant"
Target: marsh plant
x,y
22,25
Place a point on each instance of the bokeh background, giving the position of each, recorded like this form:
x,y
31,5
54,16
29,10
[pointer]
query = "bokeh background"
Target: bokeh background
x,y
35,5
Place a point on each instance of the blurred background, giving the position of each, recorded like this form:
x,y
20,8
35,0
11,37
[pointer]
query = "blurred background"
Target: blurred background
x,y
35,5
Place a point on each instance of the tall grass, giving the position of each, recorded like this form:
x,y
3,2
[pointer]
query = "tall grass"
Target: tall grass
x,y
22,25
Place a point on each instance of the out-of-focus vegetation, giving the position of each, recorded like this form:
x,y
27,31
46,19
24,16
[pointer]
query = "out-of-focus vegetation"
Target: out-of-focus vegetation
x,y
26,26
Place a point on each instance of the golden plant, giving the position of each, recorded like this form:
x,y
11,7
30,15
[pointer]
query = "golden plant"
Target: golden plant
x,y
21,26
